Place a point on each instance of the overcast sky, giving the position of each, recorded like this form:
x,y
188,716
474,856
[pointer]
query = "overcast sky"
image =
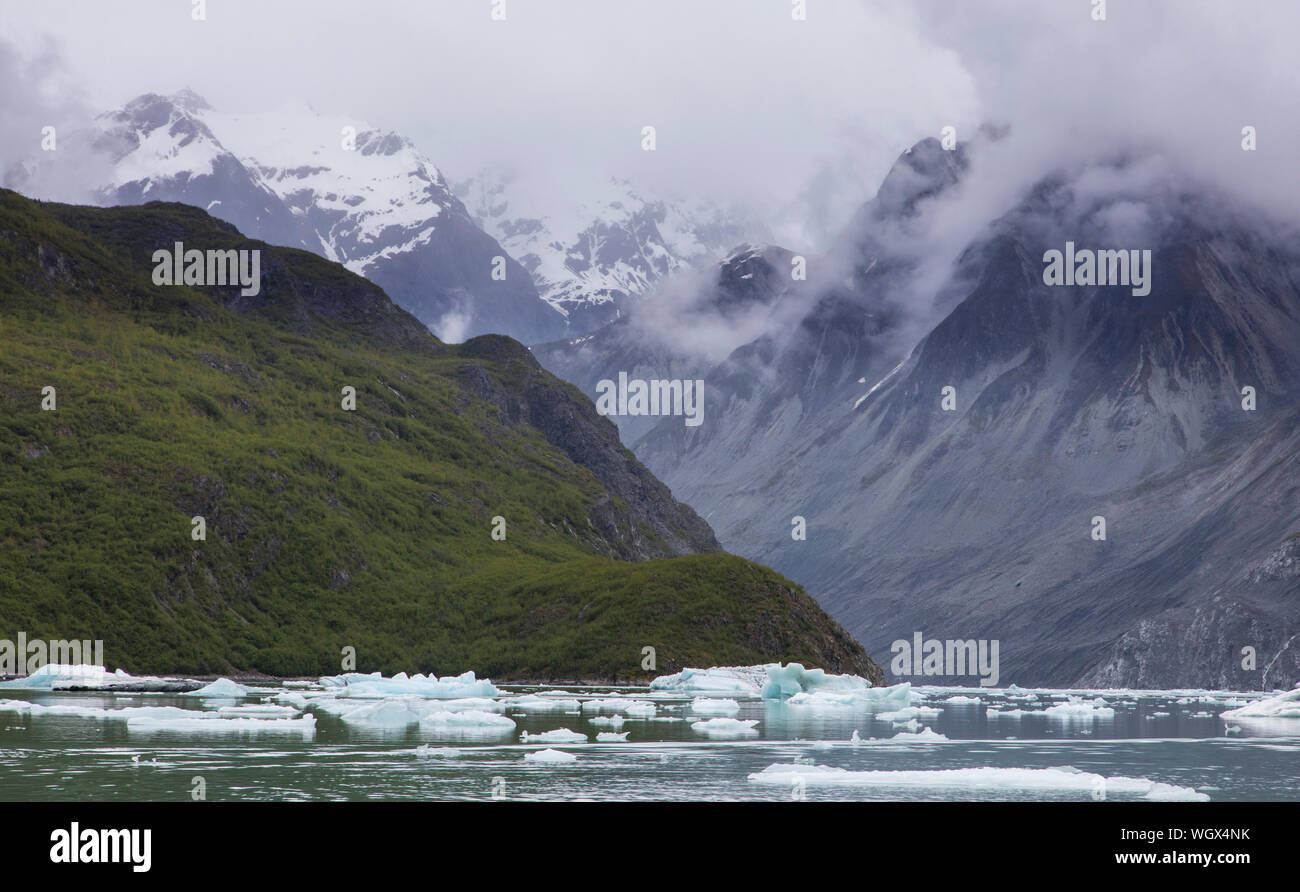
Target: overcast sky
x,y
748,103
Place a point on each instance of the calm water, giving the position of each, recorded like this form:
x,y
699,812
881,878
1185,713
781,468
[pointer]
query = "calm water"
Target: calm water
x,y
1174,738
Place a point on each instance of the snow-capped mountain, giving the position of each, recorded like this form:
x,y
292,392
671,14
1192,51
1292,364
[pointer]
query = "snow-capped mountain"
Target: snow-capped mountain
x,y
364,197
593,258
977,520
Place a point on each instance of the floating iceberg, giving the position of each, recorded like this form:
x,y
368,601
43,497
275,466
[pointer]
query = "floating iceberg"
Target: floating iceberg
x,y
742,681
469,723
792,678
1282,706
374,685
722,727
705,706
306,726
611,737
58,676
393,712
925,735
908,713
961,700
1080,709
534,703
979,780
632,708
552,756
221,689
607,721
559,735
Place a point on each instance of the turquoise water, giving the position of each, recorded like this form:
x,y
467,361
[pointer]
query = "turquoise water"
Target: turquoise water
x,y
1169,738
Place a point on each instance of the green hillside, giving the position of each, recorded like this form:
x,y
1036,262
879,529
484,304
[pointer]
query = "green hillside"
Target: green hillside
x,y
329,528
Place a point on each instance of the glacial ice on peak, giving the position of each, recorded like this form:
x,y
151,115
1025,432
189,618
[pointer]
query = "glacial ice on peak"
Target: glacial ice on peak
x,y
375,685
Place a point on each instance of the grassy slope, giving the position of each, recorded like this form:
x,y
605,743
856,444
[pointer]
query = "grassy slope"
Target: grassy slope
x,y
325,528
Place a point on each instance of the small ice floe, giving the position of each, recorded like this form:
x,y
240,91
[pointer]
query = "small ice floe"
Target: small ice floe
x,y
607,721
908,713
630,708
555,757
724,727
706,706
1157,715
980,780
612,737
855,740
298,701
1282,706
257,711
392,713
1078,708
963,700
375,685
221,689
466,723
424,751
305,726
559,735
925,735
1007,713
534,703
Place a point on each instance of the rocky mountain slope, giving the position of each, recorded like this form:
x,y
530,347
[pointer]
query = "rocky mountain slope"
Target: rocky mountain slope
x,y
1071,403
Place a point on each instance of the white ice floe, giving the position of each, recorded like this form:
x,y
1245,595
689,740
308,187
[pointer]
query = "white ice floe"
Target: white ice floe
x,y
925,735
611,737
630,708
551,756
221,689
393,712
724,727
60,676
466,723
374,685
961,700
305,726
559,735
424,751
909,712
706,706
534,703
743,681
979,780
1283,706
1078,708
